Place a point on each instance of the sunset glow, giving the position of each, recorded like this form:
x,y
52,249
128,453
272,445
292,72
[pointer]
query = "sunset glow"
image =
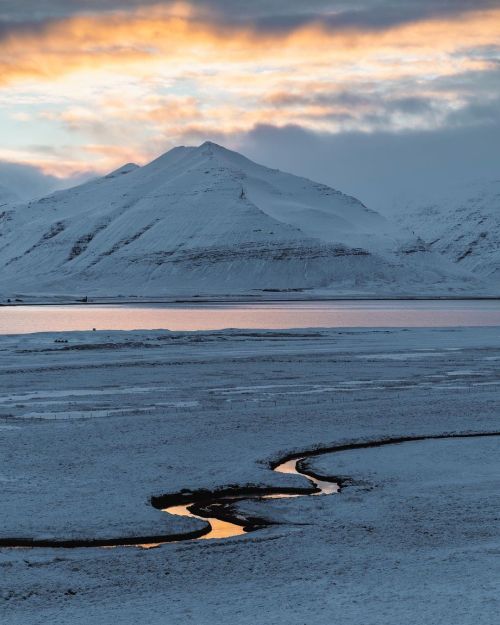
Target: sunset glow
x,y
91,90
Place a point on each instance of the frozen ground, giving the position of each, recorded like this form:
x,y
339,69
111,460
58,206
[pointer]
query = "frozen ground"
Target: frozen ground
x,y
91,428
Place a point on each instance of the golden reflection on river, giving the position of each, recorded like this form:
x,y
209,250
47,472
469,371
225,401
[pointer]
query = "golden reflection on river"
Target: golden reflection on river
x,y
219,528
225,529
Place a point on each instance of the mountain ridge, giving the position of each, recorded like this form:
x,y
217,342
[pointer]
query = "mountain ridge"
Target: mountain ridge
x,y
208,219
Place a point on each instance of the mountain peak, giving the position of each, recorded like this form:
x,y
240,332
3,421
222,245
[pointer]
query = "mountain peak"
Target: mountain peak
x,y
210,148
180,153
123,170
211,145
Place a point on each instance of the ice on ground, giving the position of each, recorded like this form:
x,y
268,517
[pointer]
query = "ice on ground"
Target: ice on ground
x,y
414,533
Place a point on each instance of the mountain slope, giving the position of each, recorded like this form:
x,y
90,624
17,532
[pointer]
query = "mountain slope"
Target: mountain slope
x,y
208,220
464,227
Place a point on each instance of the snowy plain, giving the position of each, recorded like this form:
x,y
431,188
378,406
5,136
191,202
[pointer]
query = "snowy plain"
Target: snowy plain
x,y
93,424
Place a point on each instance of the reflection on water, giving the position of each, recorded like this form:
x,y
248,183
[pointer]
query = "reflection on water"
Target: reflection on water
x,y
324,488
219,528
226,529
397,313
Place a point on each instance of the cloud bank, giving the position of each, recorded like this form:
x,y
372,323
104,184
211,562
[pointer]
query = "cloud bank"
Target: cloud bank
x,y
87,84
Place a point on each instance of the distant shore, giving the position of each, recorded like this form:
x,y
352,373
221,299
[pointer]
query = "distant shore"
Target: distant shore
x,y
267,298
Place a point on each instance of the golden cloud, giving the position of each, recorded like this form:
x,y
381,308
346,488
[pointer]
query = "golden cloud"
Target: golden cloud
x,y
139,42
151,79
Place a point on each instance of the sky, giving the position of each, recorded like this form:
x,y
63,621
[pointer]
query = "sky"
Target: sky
x,y
384,99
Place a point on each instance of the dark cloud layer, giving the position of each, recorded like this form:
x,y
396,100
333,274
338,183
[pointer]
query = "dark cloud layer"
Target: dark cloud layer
x,y
275,15
382,169
27,181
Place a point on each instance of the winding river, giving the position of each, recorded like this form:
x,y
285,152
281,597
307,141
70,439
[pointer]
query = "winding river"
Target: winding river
x,y
226,524
218,508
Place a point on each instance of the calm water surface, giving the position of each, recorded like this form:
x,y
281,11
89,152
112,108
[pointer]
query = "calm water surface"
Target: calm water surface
x,y
227,529
271,315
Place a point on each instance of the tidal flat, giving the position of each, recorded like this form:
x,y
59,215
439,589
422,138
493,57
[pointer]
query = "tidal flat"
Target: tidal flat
x,y
95,425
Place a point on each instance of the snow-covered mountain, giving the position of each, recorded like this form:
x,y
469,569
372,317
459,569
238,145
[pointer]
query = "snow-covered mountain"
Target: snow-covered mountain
x,y
209,220
464,227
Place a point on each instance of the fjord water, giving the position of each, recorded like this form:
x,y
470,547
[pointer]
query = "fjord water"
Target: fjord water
x,y
268,315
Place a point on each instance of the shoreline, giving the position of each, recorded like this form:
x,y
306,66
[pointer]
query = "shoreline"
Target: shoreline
x,y
235,300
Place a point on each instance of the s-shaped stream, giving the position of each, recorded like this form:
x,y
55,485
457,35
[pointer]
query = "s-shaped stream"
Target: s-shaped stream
x,y
227,524
217,508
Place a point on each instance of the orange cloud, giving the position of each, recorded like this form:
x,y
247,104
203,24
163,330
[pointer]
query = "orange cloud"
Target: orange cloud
x,y
64,163
61,164
150,79
136,41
